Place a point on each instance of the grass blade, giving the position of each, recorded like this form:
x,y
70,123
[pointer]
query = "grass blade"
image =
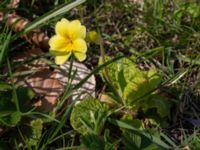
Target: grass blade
x,y
150,137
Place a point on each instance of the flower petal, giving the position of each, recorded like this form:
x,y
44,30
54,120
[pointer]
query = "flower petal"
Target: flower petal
x,y
83,32
76,30
61,59
61,28
57,43
79,45
80,56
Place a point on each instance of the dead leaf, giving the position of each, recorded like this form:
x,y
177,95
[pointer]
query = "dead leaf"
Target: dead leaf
x,y
186,148
14,3
81,72
35,65
105,98
46,87
36,36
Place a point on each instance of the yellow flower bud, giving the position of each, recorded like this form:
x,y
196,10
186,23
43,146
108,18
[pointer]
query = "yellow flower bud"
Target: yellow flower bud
x,y
94,37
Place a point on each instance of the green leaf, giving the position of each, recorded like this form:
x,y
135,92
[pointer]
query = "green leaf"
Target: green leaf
x,y
110,143
139,89
134,141
6,103
25,95
15,117
109,98
92,142
36,127
10,119
151,137
186,9
116,72
193,10
134,92
154,78
122,83
136,123
131,82
136,87
89,116
160,103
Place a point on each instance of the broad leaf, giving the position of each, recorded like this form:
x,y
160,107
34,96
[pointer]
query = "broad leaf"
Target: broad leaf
x,y
154,139
92,142
136,86
160,103
10,119
89,116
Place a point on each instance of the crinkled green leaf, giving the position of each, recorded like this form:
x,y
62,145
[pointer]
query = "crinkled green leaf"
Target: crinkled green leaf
x,y
136,86
10,119
141,86
119,72
193,10
89,116
113,70
15,117
36,127
153,78
160,103
135,92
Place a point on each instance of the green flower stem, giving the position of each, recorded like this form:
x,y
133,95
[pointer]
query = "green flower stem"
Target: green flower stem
x,y
68,87
71,66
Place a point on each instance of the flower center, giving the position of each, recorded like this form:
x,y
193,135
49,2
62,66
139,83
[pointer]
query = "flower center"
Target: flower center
x,y
69,41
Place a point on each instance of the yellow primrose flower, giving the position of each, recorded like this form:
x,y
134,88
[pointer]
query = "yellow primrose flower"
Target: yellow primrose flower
x,y
69,39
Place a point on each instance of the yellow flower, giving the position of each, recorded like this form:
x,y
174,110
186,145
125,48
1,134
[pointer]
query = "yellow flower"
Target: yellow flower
x,y
69,39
